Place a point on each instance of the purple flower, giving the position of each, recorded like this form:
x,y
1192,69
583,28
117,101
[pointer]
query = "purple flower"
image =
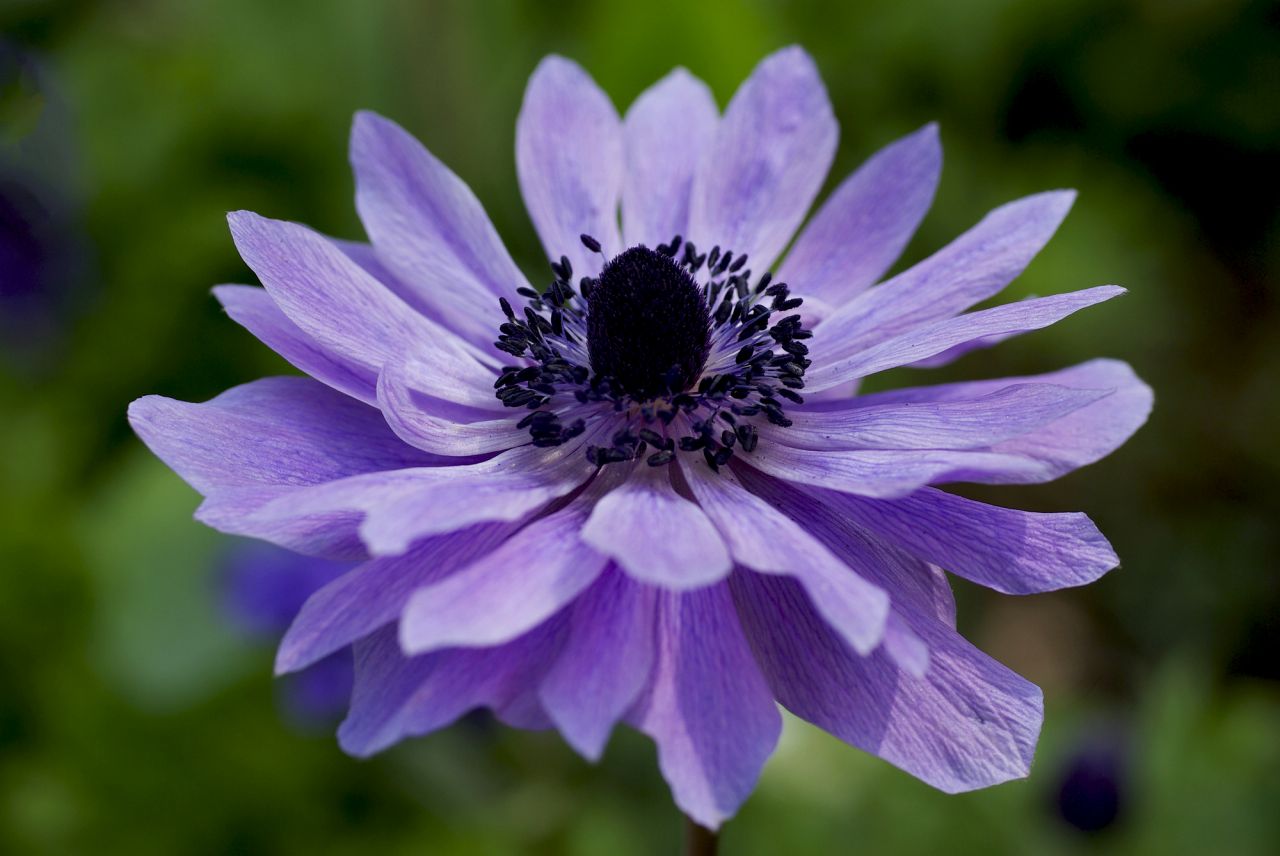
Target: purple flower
x,y
263,589
654,500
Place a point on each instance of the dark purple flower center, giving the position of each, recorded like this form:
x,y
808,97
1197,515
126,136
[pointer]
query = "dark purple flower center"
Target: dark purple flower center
x,y
651,362
647,325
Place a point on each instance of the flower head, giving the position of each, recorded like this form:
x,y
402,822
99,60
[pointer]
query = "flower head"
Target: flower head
x,y
645,493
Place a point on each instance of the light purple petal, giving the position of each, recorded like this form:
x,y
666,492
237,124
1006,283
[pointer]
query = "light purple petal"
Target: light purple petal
x,y
570,162
953,424
708,708
442,427
968,723
1077,439
887,473
762,538
429,229
508,592
451,376
973,267
252,308
1017,552
656,535
400,507
605,661
770,155
374,594
935,338
864,225
397,696
666,131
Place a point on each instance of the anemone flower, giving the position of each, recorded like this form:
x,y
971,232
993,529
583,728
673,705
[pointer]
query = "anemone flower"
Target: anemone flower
x,y
646,493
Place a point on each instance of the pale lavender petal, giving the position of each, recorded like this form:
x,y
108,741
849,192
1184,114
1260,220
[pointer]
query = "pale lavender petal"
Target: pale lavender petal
x,y
252,308
331,298
973,267
935,338
605,661
397,508
1017,552
708,707
769,158
289,431
429,229
1077,439
865,224
950,355
656,535
508,592
762,538
374,594
442,427
397,696
968,723
570,162
953,424
453,376
666,131
887,473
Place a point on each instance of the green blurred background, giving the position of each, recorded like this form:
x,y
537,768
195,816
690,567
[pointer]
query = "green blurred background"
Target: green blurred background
x,y
135,718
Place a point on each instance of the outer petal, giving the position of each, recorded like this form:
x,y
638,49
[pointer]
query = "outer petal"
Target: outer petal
x,y
971,423
770,155
863,227
935,338
253,309
666,131
569,159
397,696
708,708
429,229
508,592
269,439
762,538
397,508
1077,439
968,723
442,427
973,267
605,662
656,535
887,473
1016,552
374,594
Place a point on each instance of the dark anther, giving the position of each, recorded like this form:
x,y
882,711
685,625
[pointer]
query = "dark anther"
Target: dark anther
x,y
590,243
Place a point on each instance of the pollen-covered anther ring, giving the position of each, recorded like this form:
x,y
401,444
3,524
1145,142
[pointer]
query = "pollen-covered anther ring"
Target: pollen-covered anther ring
x,y
651,360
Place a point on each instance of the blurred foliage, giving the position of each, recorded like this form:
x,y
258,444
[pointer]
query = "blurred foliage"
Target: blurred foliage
x,y
134,720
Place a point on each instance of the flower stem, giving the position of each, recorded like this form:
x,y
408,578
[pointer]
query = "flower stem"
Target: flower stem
x,y
698,840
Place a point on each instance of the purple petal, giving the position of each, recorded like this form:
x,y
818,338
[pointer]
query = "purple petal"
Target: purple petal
x,y
374,594
570,162
708,708
1079,438
762,538
605,662
508,592
1016,552
935,338
973,267
666,131
887,473
397,696
656,535
252,308
770,155
400,507
449,376
441,427
429,229
953,424
969,723
864,225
